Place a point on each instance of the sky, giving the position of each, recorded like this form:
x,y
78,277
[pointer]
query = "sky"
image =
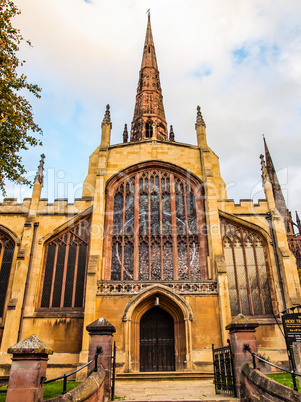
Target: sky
x,y
240,60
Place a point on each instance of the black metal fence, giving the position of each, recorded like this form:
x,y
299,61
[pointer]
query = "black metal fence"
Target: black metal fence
x,y
113,373
65,376
224,379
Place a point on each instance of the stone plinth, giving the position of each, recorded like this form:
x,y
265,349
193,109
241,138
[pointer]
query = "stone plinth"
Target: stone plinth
x,y
101,332
242,331
29,364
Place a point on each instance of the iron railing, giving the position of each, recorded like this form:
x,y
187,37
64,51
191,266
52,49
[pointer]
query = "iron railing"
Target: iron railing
x,y
254,356
65,376
224,379
113,373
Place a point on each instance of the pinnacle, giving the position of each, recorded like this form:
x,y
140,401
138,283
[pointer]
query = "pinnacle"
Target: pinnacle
x,y
40,172
199,118
107,117
125,133
171,134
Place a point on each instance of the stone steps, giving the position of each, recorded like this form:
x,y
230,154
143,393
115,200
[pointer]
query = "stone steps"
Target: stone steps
x,y
165,376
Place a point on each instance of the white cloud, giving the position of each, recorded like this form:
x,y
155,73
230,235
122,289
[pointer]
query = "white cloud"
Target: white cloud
x,y
88,54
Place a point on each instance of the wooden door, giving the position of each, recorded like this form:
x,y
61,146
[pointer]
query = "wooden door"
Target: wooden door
x,y
157,343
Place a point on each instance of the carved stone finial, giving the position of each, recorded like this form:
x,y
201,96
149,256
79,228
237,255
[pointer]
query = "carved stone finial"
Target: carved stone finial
x,y
264,172
125,134
171,134
40,172
199,118
107,117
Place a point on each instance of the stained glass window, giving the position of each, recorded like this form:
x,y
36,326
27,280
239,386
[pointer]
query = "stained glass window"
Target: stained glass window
x,y
65,268
6,256
247,270
154,233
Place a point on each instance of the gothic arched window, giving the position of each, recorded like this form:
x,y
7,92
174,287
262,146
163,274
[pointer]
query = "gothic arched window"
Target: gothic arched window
x,y
156,227
247,270
6,257
65,264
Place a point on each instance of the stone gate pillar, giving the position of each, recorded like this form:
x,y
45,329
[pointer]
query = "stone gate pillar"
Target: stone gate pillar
x,y
29,364
242,331
101,333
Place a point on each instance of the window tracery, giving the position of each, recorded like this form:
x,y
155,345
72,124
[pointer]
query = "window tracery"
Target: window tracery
x,y
154,232
247,270
6,257
65,268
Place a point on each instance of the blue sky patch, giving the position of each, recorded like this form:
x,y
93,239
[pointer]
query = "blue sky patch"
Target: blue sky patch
x,y
258,52
203,71
240,55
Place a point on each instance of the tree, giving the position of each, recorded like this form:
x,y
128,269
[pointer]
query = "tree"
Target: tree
x,y
16,118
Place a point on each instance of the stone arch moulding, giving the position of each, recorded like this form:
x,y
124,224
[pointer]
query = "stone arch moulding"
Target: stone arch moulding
x,y
181,313
156,164
11,234
66,225
157,289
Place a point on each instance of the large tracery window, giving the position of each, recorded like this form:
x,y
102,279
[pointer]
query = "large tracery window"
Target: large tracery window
x,y
6,257
65,268
247,270
154,227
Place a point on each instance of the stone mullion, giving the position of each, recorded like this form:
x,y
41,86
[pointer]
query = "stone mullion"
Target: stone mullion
x,y
202,237
75,275
65,271
136,228
161,227
236,279
247,274
123,223
149,231
258,278
2,252
187,231
109,236
174,228
53,272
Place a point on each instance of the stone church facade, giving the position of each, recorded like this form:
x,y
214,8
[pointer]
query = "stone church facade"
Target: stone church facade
x,y
153,245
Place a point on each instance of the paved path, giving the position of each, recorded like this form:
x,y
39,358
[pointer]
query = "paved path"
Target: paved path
x,y
171,390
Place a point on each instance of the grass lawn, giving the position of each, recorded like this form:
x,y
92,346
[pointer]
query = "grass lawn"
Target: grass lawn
x,y
50,390
56,388
284,379
2,395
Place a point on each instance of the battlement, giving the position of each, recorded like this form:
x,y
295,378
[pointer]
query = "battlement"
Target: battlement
x,y
244,207
59,206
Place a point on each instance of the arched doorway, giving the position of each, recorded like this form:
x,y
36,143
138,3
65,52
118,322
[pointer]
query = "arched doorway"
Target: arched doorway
x,y
157,342
176,307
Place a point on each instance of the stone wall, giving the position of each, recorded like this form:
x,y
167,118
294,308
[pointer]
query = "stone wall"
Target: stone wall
x,y
255,386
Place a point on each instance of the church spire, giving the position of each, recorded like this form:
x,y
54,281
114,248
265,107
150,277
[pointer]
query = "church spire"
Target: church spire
x,y
278,196
149,110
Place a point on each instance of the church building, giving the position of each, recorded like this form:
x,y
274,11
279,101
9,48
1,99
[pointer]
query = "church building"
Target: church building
x,y
153,245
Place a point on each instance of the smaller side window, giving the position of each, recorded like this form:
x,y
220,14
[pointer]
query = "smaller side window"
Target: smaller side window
x,y
65,268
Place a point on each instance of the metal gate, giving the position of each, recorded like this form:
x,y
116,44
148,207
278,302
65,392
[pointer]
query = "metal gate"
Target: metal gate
x,y
224,380
113,373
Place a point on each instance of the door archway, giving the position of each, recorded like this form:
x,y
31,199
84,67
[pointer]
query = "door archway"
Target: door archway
x,y
176,306
157,342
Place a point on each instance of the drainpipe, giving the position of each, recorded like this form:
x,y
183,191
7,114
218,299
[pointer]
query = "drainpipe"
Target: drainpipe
x,y
269,219
35,226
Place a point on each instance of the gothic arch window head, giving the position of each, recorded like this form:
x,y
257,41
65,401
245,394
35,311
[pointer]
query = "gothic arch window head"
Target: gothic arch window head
x,y
156,231
247,270
6,257
64,273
